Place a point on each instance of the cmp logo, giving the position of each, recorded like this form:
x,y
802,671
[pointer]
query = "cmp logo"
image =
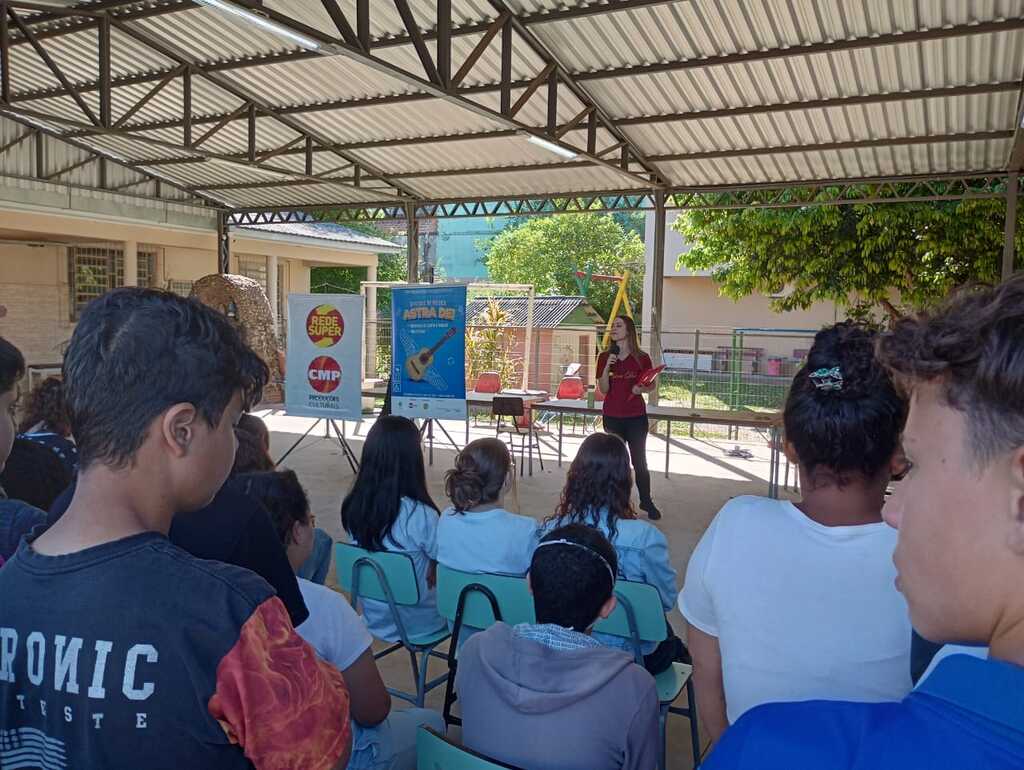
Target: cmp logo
x,y
325,326
324,374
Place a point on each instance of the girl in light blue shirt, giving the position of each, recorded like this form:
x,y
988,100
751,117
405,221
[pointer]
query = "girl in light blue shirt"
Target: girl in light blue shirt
x,y
596,493
389,509
476,533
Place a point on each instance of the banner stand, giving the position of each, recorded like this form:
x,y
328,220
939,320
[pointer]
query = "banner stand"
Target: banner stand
x,y
329,423
428,427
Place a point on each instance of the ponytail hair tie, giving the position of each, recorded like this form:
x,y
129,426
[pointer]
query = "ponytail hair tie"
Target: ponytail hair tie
x,y
827,379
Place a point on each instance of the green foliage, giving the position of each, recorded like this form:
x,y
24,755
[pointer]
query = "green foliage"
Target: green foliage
x,y
489,348
346,280
548,250
858,255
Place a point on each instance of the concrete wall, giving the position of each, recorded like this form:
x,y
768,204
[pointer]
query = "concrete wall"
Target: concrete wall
x,y
34,278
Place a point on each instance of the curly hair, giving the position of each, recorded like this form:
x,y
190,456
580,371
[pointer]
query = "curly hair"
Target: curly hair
x,y
46,405
972,346
848,422
479,475
599,479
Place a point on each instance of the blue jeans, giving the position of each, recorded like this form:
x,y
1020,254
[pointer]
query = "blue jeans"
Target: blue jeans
x,y
316,567
391,745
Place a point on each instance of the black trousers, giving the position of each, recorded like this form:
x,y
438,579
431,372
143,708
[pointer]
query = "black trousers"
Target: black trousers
x,y
633,430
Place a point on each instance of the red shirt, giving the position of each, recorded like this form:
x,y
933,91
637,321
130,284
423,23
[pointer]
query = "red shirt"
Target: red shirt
x,y
620,400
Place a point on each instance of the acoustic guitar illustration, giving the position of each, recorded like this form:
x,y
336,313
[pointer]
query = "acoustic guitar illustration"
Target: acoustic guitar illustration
x,y
417,364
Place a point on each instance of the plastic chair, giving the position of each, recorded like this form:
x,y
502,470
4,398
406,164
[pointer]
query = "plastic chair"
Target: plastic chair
x,y
515,407
488,382
572,388
640,617
435,752
478,600
391,577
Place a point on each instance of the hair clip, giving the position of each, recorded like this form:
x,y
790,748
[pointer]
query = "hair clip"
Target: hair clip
x,y
827,379
604,561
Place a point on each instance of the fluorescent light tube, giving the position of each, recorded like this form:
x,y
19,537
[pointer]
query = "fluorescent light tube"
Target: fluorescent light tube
x,y
557,149
263,22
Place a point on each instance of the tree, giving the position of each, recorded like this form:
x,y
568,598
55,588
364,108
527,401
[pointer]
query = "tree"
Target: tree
x,y
548,250
346,280
862,255
489,348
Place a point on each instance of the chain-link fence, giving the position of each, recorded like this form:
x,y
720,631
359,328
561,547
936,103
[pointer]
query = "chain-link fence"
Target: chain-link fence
x,y
704,369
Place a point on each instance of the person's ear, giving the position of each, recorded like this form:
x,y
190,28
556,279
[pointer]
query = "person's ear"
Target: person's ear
x,y
790,451
608,607
1016,539
178,428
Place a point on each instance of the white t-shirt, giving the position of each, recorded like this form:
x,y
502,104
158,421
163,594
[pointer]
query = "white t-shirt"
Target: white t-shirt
x,y
333,628
801,611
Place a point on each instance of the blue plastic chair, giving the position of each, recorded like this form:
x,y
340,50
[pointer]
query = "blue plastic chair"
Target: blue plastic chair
x,y
478,600
640,617
435,752
391,577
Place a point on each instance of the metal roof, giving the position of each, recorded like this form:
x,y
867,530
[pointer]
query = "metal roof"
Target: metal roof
x,y
326,231
548,311
433,102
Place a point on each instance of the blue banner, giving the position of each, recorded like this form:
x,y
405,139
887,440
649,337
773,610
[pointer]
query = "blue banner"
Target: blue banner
x,y
428,352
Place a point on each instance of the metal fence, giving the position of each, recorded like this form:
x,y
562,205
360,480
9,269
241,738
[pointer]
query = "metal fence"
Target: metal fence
x,y
705,369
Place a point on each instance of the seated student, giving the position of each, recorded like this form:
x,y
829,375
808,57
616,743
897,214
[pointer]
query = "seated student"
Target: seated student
x,y
252,455
119,648
596,493
390,509
34,474
960,559
476,533
382,739
16,518
787,602
46,421
234,528
547,695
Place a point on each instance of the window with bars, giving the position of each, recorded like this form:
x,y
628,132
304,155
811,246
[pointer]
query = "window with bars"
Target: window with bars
x,y
180,287
255,268
94,270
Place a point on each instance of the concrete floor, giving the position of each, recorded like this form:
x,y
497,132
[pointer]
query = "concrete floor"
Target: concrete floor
x,y
702,478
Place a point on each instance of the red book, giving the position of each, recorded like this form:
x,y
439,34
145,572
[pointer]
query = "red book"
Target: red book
x,y
646,377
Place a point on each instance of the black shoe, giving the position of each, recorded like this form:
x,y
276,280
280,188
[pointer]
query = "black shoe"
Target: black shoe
x,y
651,510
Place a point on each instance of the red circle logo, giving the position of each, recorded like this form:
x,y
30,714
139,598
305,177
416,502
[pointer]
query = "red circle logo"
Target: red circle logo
x,y
325,326
324,374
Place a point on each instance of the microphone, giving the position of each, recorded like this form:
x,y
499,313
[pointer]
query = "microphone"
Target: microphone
x,y
614,348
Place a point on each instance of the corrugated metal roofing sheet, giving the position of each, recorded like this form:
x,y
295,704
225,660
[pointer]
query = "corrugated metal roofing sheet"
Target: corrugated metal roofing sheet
x,y
326,231
694,42
548,311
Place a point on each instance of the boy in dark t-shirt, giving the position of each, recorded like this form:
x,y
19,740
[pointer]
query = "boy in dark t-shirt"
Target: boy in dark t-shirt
x,y
117,648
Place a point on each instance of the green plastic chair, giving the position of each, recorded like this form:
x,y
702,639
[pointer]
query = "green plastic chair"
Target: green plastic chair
x,y
640,617
435,752
391,577
478,600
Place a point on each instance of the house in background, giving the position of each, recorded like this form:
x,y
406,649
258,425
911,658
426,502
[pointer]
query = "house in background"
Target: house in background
x,y
692,301
565,332
61,247
462,246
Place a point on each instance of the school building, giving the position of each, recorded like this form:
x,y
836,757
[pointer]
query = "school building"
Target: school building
x,y
61,246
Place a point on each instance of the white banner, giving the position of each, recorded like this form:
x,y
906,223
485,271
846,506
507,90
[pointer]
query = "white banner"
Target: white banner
x,y
325,346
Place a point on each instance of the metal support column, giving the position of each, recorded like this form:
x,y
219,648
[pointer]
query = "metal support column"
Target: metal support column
x,y
413,241
223,244
1010,231
657,285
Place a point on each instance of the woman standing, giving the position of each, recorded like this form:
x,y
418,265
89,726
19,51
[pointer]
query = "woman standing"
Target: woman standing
x,y
624,410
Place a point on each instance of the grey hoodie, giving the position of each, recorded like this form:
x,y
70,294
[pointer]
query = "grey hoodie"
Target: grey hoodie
x,y
538,708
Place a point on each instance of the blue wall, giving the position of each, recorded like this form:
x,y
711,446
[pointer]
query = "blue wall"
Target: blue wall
x,y
458,255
